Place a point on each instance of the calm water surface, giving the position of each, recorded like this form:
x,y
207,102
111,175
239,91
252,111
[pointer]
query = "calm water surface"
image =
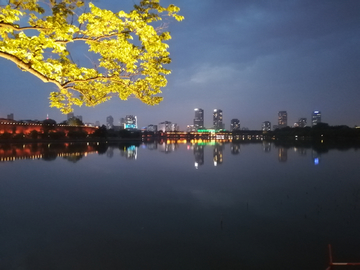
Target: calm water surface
x,y
184,206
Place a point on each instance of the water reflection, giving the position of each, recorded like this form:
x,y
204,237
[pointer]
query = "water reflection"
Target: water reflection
x,y
266,146
315,157
107,213
199,155
218,154
235,149
282,154
129,152
74,152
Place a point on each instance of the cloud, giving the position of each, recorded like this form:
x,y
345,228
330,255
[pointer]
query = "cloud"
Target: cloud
x,y
212,74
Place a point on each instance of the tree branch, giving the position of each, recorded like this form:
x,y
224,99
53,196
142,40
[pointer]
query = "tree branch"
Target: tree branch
x,y
111,78
28,68
11,26
90,39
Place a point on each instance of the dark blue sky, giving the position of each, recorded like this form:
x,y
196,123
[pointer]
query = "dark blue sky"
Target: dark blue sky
x,y
248,58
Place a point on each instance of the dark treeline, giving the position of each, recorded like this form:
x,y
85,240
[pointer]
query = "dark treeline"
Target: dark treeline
x,y
320,132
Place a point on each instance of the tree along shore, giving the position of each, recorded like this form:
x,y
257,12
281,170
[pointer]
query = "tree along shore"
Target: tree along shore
x,y
321,132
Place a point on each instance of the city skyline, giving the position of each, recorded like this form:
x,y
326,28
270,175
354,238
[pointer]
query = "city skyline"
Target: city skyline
x,y
249,59
110,121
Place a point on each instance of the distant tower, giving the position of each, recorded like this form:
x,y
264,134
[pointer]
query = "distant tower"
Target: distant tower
x,y
266,126
234,124
199,119
152,128
302,122
282,119
10,116
165,126
109,122
217,119
70,115
316,118
130,121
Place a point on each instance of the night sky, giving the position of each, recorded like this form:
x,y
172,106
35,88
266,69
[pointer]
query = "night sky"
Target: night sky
x,y
249,58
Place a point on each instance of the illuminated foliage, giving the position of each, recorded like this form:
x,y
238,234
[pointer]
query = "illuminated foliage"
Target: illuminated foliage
x,y
129,47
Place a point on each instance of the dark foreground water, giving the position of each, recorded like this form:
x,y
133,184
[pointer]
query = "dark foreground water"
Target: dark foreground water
x,y
185,206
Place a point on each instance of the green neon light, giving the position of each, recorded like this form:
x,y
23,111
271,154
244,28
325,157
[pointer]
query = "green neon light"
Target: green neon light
x,y
207,130
206,143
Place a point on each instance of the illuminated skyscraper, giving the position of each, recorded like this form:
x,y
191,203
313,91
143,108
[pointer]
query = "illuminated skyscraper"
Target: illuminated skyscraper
x,y
301,123
199,119
282,119
266,126
165,126
152,128
234,124
130,121
217,119
316,118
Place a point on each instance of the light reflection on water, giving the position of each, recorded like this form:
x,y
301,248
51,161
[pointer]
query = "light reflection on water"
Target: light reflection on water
x,y
177,206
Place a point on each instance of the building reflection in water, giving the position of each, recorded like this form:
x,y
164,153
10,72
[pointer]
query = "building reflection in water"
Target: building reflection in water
x,y
129,152
316,157
74,152
152,145
199,155
282,154
167,147
110,152
218,154
300,150
235,148
266,147
46,151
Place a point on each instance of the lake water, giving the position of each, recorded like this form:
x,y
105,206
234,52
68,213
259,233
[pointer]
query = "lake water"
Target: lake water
x,y
177,206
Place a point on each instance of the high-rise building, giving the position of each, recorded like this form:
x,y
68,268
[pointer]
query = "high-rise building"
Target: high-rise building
x,y
217,119
316,118
190,128
234,124
199,119
130,121
282,119
302,122
122,123
165,126
109,122
70,115
266,126
152,128
10,116
174,127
